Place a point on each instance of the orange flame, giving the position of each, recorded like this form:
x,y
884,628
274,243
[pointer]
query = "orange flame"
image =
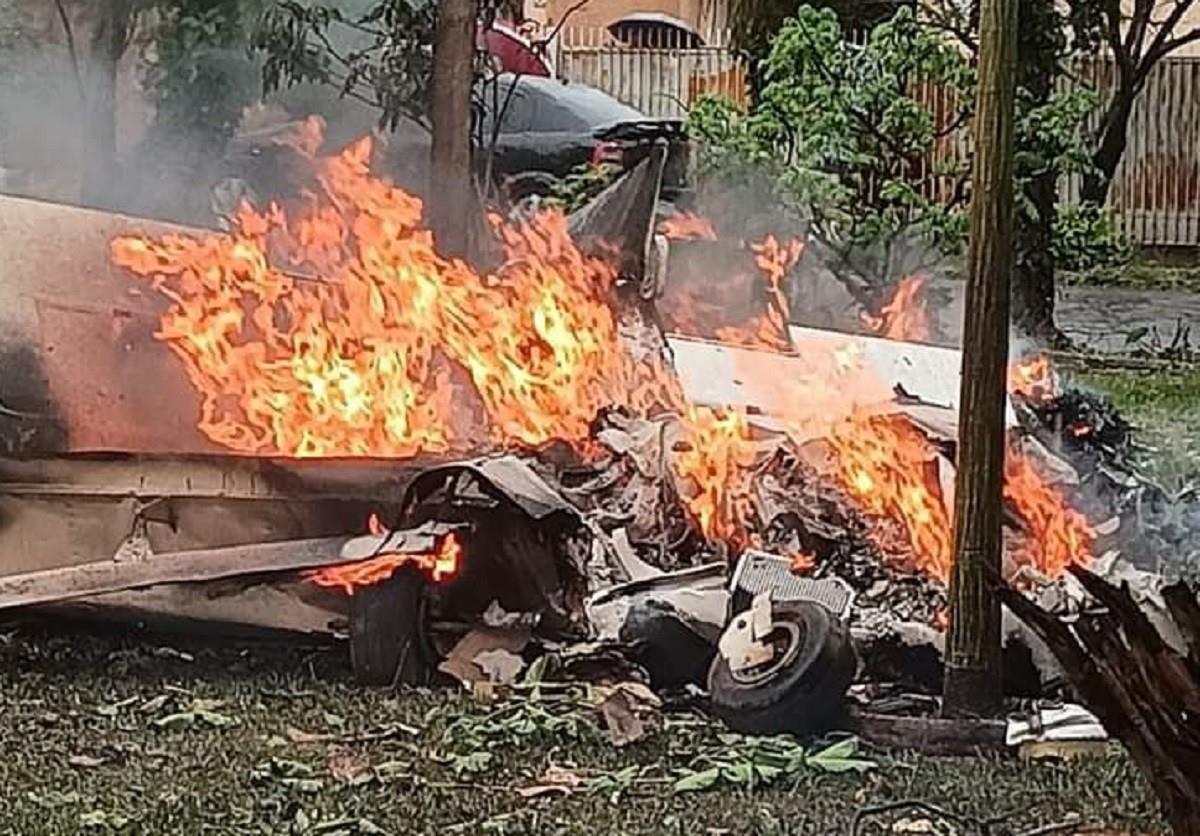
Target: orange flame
x,y
1058,535
714,458
802,563
769,330
685,226
364,360
887,466
1032,378
905,316
440,564
386,348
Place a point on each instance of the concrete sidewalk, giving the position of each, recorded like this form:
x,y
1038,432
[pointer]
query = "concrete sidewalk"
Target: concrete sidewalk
x,y
1099,318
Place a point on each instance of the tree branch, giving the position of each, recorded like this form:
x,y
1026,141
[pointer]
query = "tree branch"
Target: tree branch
x,y
1166,48
70,36
1162,37
1111,10
1136,36
541,44
953,24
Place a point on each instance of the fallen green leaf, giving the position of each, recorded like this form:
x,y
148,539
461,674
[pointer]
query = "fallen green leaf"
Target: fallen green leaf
x,y
472,762
188,719
840,757
214,719
698,781
102,819
155,704
175,722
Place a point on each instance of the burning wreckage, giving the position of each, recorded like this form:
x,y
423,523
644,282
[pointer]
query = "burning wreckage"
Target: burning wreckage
x,y
589,450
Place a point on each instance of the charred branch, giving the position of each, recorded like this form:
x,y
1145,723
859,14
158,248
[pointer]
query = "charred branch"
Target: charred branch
x,y
1146,693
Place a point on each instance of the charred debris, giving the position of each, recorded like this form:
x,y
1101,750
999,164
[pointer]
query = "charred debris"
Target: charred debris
x,y
811,612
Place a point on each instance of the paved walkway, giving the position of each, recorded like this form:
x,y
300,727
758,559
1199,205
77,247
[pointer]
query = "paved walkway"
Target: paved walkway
x,y
1100,317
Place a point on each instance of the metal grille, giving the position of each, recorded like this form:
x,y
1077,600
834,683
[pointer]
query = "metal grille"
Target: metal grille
x,y
759,571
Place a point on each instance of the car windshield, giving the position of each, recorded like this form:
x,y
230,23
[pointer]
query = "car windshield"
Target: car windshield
x,y
591,107
540,105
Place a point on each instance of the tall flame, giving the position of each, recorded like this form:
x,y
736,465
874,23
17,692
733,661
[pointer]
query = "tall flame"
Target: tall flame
x,y
365,358
716,454
904,316
770,329
686,226
1057,535
339,330
888,466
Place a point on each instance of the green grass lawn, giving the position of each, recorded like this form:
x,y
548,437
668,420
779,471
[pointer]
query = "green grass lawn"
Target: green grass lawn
x,y
1165,408
1142,273
121,733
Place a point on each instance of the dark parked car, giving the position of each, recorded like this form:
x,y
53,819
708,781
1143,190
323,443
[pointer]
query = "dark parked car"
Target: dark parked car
x,y
549,127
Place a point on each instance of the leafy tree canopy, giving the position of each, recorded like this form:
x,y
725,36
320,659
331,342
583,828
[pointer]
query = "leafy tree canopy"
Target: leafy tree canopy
x,y
844,133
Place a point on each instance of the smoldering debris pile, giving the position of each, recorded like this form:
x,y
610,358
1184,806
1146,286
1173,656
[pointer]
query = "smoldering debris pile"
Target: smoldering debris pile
x,y
1155,529
652,463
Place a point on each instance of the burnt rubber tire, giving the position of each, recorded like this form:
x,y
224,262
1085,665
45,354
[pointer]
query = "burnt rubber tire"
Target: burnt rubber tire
x,y
387,631
804,694
521,187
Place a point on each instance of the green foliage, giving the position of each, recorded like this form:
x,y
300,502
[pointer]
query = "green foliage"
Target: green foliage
x,y
383,57
209,782
755,762
755,22
1049,136
472,742
581,184
198,70
1088,241
839,134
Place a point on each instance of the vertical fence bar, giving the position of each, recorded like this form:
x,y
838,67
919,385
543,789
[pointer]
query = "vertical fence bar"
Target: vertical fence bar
x,y
1191,137
1156,159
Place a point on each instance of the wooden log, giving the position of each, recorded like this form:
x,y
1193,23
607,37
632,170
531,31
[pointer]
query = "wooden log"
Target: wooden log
x,y
1145,693
930,735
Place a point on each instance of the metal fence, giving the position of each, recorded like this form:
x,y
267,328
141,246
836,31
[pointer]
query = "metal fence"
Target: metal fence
x,y
1155,196
1156,191
663,76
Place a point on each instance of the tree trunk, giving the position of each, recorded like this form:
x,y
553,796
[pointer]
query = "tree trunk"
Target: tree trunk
x,y
972,685
1114,135
452,206
110,38
1033,277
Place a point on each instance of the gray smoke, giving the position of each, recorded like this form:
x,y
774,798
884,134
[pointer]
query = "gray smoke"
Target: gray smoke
x,y
47,150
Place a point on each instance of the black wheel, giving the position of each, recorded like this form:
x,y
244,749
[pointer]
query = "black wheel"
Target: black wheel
x,y
521,190
802,689
667,644
388,643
